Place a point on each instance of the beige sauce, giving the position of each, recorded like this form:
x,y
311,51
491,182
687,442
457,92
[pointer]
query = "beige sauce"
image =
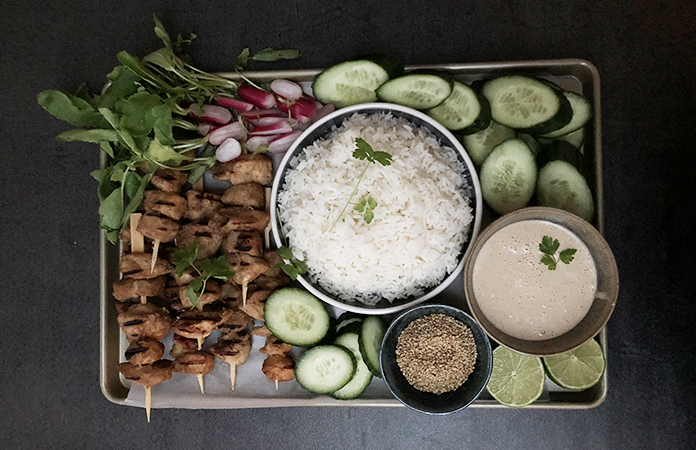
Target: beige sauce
x,y
523,298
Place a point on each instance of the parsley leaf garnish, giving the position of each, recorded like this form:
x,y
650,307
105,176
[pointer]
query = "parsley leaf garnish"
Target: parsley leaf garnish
x,y
548,247
364,152
217,268
295,266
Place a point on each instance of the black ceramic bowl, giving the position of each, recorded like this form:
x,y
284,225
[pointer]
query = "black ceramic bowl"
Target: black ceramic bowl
x,y
425,402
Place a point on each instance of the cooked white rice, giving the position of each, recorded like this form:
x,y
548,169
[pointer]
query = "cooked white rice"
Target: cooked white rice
x,y
421,221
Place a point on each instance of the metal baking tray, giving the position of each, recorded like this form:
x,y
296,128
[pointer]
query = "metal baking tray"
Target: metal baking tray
x,y
571,74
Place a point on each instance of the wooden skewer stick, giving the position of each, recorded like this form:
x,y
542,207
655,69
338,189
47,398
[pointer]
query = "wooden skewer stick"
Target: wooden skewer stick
x,y
148,401
233,374
155,251
244,293
200,342
276,382
267,230
200,382
137,241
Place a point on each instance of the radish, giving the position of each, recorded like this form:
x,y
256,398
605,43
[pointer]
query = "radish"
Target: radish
x,y
257,97
303,110
233,130
324,111
317,104
228,150
270,120
233,103
211,113
277,128
205,128
255,142
287,89
283,143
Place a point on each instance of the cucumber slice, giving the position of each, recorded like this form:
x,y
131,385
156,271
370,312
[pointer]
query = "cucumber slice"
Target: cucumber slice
x,y
362,377
582,112
462,110
561,183
325,368
533,144
348,321
508,176
350,83
296,317
527,104
479,145
371,336
416,90
576,138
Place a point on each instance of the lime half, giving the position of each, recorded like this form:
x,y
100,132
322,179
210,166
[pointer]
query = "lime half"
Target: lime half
x,y
577,369
517,380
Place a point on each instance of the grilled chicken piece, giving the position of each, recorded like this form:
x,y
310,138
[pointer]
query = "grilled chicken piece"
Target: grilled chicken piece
x,y
147,375
233,348
169,180
202,205
246,267
255,304
144,351
144,321
186,278
251,195
128,288
207,234
231,293
279,368
158,226
166,203
262,331
181,345
275,346
242,218
197,324
250,242
198,362
235,322
247,168
274,277
211,295
137,266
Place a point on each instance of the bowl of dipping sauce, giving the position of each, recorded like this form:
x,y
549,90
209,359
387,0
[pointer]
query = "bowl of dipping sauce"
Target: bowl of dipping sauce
x,y
541,281
436,359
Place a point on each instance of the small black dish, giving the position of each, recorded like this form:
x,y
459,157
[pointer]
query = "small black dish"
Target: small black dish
x,y
425,402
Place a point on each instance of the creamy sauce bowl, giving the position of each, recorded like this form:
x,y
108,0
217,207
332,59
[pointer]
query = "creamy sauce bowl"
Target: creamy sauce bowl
x,y
523,305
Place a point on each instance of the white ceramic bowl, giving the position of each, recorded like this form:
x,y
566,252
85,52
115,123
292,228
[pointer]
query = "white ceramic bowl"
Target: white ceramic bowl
x,y
323,128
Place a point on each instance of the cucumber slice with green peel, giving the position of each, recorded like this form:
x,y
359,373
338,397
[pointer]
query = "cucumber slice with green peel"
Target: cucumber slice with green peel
x,y
479,145
325,368
416,90
527,104
462,109
575,138
508,176
350,83
296,317
362,377
582,113
561,183
348,321
371,336
533,144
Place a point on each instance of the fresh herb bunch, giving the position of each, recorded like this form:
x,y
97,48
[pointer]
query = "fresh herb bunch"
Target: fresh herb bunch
x,y
364,152
217,268
295,266
549,246
141,118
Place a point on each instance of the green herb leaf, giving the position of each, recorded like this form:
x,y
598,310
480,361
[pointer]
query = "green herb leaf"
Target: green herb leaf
x,y
163,153
363,150
371,203
368,216
136,199
107,148
549,245
161,32
549,261
111,210
269,54
567,255
242,60
185,257
383,158
123,83
71,109
360,206
285,253
217,268
192,291
94,136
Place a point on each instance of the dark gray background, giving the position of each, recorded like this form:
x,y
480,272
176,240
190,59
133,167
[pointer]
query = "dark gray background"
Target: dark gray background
x,y
645,51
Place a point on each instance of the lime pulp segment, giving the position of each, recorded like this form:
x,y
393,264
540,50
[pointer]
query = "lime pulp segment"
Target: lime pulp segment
x,y
517,380
577,369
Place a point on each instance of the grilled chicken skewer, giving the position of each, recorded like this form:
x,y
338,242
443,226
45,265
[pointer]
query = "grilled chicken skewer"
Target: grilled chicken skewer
x,y
137,241
190,360
234,349
163,210
279,366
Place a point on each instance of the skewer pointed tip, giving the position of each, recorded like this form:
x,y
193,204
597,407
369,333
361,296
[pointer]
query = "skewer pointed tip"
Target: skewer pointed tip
x,y
155,251
244,293
200,342
276,382
148,402
200,383
233,374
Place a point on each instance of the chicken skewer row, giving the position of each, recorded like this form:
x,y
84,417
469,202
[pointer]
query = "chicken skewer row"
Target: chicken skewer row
x,y
279,366
233,348
190,360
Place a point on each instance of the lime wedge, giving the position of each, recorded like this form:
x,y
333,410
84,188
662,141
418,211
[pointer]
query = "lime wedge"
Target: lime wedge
x,y
577,369
517,380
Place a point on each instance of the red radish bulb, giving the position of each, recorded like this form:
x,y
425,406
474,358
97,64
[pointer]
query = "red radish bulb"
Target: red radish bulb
x,y
277,128
211,113
283,143
228,150
287,89
270,120
255,142
233,130
257,113
233,103
324,111
257,97
303,110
